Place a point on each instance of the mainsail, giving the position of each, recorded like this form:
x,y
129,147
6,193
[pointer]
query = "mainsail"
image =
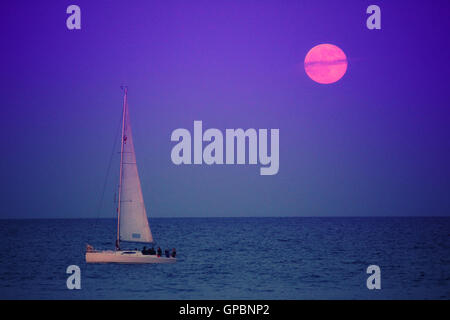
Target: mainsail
x,y
132,218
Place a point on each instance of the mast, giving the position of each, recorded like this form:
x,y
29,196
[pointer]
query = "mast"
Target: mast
x,y
121,163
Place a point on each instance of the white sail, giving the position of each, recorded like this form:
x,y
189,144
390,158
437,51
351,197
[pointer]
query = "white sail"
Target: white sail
x,y
133,221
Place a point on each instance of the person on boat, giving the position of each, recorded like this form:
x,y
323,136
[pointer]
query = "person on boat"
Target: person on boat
x,y
174,253
117,245
159,252
167,253
152,251
144,251
89,248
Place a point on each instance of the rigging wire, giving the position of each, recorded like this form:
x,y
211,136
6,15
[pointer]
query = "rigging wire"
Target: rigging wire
x,y
105,183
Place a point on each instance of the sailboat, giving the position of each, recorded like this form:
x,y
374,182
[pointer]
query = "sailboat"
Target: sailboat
x,y
132,221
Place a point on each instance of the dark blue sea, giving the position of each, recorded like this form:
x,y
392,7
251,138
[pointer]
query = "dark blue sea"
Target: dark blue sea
x,y
233,258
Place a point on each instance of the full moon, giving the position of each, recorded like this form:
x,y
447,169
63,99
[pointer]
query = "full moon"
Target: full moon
x,y
325,63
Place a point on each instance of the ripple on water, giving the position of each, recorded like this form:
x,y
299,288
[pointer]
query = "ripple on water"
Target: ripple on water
x,y
252,258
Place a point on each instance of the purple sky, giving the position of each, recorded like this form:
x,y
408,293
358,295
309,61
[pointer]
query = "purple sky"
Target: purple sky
x,y
374,143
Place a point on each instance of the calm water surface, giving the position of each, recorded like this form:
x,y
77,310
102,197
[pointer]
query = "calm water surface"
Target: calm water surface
x,y
233,258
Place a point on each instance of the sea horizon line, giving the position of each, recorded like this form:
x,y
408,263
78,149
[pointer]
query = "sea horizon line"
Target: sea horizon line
x,y
223,217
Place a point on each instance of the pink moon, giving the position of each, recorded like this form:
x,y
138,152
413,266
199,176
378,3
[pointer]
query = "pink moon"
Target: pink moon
x,y
325,63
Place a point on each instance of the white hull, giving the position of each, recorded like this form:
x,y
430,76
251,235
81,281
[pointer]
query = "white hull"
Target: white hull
x,y
130,256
